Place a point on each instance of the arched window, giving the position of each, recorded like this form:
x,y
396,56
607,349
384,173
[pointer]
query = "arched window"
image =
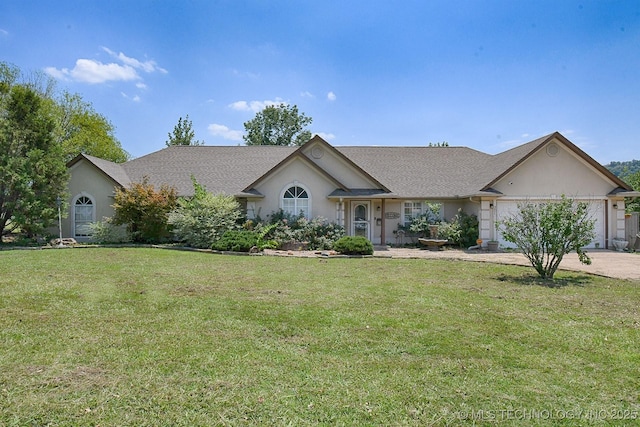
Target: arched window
x,y
295,200
83,216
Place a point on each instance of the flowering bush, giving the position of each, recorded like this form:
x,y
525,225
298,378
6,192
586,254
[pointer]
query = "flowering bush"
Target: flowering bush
x,y
202,219
317,232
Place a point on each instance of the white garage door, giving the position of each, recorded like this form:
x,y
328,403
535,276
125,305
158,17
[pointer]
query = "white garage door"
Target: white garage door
x,y
505,208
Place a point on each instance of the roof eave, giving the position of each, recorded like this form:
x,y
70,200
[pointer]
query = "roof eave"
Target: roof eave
x,y
621,192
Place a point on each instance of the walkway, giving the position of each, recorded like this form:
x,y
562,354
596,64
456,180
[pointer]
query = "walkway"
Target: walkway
x,y
620,265
608,263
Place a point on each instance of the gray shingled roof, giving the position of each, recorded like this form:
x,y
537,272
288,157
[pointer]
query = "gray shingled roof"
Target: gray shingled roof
x,y
221,169
114,170
408,172
429,172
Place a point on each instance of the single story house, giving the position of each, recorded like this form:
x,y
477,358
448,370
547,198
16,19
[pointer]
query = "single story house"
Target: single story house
x,y
369,190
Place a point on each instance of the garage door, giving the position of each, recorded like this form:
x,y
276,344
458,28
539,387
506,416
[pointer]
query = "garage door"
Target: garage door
x,y
506,208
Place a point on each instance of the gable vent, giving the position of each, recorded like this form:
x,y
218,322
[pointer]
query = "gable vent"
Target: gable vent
x,y
552,150
317,152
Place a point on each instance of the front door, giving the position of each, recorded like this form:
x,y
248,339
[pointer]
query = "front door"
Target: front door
x,y
361,221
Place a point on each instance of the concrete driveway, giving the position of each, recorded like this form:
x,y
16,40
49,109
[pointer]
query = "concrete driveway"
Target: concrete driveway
x,y
621,265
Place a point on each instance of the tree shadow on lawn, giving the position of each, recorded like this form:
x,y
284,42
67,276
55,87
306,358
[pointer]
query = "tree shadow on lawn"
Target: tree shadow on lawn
x,y
556,282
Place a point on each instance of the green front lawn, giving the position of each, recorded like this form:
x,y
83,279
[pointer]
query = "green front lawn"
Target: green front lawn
x,y
150,337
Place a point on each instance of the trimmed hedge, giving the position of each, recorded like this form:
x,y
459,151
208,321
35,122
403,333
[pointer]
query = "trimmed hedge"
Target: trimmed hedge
x,y
354,245
236,241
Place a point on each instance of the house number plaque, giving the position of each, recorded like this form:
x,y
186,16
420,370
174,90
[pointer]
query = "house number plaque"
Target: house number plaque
x,y
392,215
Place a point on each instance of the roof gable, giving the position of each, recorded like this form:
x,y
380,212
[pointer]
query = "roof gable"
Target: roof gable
x,y
113,171
508,161
335,160
319,155
295,156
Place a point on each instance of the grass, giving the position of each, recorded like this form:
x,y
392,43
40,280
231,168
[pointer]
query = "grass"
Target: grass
x,y
150,337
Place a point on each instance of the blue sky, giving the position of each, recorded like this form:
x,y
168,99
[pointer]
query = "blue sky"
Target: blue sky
x,y
484,74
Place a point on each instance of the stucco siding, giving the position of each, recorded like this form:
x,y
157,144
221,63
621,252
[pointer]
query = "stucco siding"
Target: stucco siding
x,y
392,215
543,175
451,209
297,173
87,180
336,166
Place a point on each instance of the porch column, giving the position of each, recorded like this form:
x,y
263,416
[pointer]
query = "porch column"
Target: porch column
x,y
619,220
486,219
382,223
340,213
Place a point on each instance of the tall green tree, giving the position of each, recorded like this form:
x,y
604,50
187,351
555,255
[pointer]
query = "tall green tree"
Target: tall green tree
x,y
545,232
80,129
278,125
633,205
183,134
32,166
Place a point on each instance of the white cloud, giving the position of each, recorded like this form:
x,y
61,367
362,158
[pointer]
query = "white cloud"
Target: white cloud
x,y
135,98
240,106
306,94
57,74
326,136
254,106
90,71
146,66
4,32
223,131
331,96
93,71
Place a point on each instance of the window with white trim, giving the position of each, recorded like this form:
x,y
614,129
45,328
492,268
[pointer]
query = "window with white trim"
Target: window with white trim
x,y
295,201
251,210
83,216
413,209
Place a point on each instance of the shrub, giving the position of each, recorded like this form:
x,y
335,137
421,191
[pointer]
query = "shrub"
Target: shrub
x,y
202,219
106,231
468,230
420,224
353,245
236,241
144,210
318,233
449,231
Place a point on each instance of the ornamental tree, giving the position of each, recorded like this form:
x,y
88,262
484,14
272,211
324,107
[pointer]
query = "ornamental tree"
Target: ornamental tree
x,y
145,210
546,231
